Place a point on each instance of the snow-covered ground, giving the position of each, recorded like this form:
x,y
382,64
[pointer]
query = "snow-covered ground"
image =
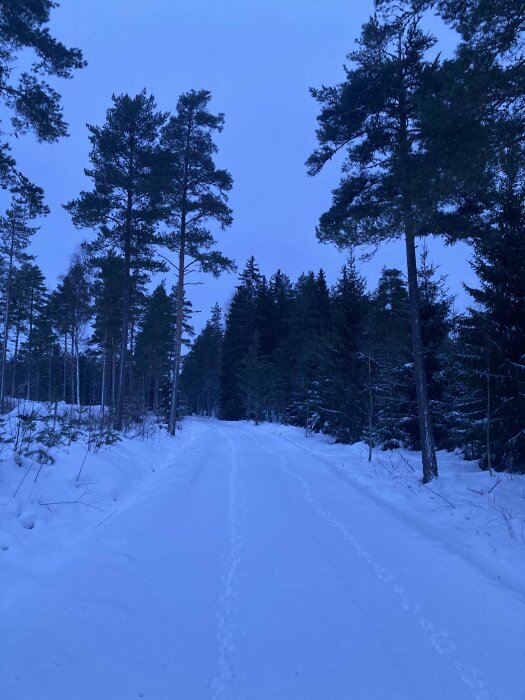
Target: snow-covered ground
x,y
243,562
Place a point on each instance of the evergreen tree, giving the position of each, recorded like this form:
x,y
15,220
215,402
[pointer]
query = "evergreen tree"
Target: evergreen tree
x,y
390,188
388,347
154,345
195,195
201,372
307,344
281,295
241,324
436,305
107,323
45,365
494,332
343,394
72,310
254,378
33,103
124,205
37,293
15,236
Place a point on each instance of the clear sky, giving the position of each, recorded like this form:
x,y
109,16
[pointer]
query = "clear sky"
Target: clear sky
x,y
258,59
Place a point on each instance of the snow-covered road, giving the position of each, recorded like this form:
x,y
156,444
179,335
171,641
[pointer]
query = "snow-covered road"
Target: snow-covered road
x,y
252,570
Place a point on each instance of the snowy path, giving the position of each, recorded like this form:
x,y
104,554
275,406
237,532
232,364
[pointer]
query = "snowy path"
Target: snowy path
x,y
252,571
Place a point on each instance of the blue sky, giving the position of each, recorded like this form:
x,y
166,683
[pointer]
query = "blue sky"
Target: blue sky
x,y
258,59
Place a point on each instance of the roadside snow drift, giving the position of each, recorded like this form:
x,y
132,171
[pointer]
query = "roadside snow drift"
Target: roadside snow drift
x,y
245,562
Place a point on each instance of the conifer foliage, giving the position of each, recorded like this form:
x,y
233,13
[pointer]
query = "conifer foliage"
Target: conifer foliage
x,y
430,146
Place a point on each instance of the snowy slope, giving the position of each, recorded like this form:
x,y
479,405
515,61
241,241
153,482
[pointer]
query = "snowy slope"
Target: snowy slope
x,y
256,564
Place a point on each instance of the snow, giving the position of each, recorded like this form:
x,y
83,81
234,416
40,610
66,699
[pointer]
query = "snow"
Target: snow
x,y
251,562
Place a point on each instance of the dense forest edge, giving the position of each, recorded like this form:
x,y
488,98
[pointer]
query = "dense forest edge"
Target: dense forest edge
x,y
432,146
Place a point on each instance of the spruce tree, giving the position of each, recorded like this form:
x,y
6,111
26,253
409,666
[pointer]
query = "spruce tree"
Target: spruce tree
x,y
240,327
343,393
154,344
307,345
254,378
201,371
494,331
281,295
388,346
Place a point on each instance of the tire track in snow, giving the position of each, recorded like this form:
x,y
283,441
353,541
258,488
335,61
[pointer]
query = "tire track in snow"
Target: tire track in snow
x,y
440,640
226,628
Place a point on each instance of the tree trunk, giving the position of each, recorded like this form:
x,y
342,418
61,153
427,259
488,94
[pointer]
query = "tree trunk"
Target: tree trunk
x,y
172,424
30,345
49,376
77,367
113,378
103,387
119,417
64,384
6,317
15,358
156,393
370,409
428,449
72,365
487,424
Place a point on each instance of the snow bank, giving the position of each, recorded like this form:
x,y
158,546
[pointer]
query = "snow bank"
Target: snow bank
x,y
478,516
53,496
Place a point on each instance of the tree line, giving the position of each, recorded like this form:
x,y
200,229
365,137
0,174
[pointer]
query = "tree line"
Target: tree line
x,y
428,146
339,360
155,190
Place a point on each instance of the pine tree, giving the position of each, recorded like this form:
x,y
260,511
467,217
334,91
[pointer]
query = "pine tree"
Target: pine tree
x,y
390,188
495,29
34,104
15,236
195,195
124,205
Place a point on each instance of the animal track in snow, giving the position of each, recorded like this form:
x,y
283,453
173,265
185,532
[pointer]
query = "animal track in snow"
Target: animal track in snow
x,y
440,639
226,629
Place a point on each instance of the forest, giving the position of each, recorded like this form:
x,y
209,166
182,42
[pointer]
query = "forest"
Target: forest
x,y
426,145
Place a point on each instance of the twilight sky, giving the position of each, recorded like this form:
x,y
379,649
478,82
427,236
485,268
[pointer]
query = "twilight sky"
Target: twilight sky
x,y
258,59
